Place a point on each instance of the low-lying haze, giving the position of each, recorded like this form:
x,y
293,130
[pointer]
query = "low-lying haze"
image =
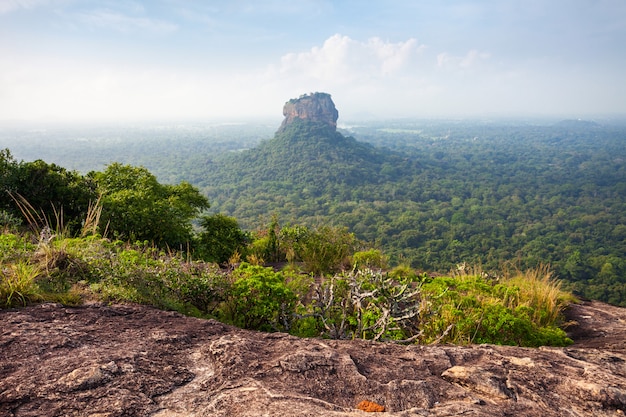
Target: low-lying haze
x,y
117,60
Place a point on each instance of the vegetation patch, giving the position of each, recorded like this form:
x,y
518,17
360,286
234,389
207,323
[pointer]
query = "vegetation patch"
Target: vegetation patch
x,y
128,238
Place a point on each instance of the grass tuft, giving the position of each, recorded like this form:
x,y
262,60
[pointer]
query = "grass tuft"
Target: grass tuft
x,y
18,284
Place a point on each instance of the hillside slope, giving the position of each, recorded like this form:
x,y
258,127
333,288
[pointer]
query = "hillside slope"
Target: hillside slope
x,y
306,158
479,194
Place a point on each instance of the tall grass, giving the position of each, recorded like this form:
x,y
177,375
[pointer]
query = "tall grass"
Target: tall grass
x,y
539,291
92,219
18,284
513,307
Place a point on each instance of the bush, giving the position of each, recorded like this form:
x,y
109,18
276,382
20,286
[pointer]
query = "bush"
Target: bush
x,y
366,304
521,310
259,299
372,258
8,221
14,247
221,239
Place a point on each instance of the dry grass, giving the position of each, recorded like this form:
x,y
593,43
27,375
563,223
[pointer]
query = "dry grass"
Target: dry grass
x,y
541,291
92,219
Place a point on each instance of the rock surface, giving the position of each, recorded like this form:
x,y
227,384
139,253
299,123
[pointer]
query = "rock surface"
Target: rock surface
x,y
130,360
314,107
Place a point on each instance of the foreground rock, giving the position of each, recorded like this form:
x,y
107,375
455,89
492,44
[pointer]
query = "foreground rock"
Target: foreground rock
x,y
133,360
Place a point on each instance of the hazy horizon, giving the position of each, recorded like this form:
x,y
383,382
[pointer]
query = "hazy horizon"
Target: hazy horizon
x,y
83,61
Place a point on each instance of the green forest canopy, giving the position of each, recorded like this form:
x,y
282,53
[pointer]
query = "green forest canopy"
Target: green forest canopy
x,y
439,196
430,194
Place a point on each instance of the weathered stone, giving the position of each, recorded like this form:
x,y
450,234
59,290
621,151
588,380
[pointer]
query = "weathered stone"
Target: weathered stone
x,y
130,360
314,107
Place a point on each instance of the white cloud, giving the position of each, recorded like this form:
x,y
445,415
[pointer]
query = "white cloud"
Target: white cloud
x,y
341,59
371,76
383,78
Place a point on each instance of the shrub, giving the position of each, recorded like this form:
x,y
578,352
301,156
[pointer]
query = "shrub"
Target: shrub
x,y
366,304
259,299
18,285
8,221
521,310
221,238
13,247
372,258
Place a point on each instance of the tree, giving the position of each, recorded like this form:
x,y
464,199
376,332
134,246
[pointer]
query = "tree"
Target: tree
x,y
8,172
59,198
136,206
221,238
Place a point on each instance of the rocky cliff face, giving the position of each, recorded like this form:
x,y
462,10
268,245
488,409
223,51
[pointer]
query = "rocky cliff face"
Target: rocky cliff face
x,y
314,107
129,360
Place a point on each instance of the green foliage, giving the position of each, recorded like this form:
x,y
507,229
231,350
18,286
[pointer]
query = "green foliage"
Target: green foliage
x,y
325,250
9,221
137,207
17,284
372,258
521,310
8,180
436,195
429,194
266,246
259,299
220,239
14,247
58,197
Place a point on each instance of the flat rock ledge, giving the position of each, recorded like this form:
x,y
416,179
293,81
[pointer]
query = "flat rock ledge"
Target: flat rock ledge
x,y
130,360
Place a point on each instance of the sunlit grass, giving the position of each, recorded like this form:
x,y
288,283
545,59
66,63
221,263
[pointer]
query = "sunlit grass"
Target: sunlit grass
x,y
18,284
511,307
541,291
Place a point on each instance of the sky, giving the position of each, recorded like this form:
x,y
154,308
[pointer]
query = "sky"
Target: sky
x,y
125,60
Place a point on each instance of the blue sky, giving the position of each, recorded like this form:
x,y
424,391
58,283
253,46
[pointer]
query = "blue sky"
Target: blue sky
x,y
116,60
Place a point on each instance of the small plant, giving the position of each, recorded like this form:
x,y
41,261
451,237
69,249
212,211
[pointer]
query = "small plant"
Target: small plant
x,y
8,221
13,247
92,218
17,284
539,291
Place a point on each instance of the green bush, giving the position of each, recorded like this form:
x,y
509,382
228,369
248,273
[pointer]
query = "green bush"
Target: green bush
x,y
221,238
259,299
14,247
9,221
372,258
475,309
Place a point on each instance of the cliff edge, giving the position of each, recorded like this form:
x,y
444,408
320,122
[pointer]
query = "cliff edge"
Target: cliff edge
x,y
314,107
